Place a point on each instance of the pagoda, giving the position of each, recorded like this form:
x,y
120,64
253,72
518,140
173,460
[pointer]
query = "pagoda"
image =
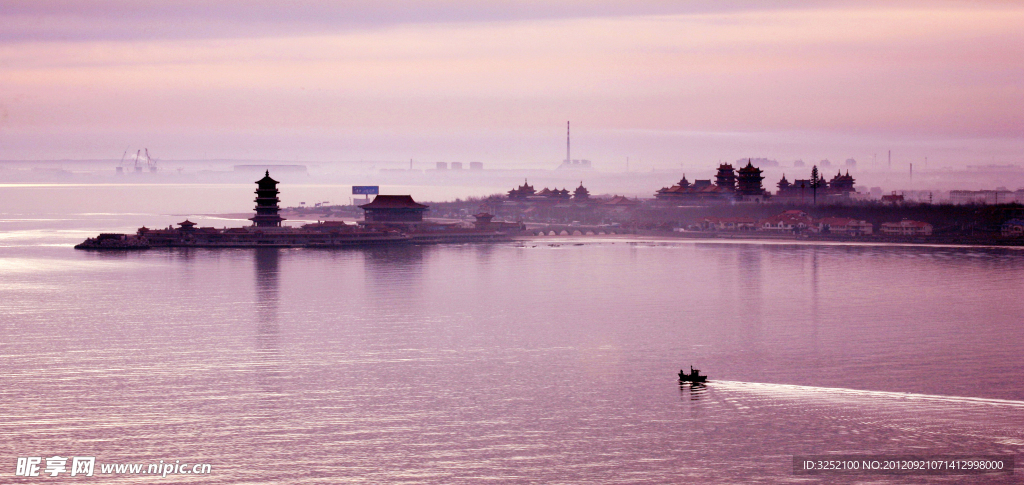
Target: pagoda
x,y
726,177
784,184
267,203
581,193
749,181
683,183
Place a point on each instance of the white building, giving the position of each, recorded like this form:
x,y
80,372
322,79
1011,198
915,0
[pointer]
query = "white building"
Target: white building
x,y
906,228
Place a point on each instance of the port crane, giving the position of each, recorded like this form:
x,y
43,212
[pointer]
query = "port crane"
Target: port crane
x,y
150,162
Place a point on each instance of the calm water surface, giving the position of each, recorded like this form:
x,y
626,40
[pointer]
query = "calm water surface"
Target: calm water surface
x,y
543,361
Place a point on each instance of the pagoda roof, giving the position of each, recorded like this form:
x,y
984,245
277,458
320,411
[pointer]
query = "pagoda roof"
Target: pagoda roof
x,y
750,168
266,178
393,202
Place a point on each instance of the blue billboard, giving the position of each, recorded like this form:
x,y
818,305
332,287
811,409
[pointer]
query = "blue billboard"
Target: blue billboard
x,y
365,189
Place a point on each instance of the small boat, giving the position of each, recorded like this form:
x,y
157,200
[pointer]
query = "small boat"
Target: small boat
x,y
694,376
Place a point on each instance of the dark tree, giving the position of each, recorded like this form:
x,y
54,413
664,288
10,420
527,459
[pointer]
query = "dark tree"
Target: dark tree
x,y
815,183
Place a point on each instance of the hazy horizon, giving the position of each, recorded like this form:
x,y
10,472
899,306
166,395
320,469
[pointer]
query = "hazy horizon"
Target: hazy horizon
x,y
666,84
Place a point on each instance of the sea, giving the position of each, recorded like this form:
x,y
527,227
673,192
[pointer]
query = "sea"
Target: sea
x,y
547,360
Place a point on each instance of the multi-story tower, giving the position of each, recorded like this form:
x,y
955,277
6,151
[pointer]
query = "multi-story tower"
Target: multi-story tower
x,y
749,180
267,203
726,178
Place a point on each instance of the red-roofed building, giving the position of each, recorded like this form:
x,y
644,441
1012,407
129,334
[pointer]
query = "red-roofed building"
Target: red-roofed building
x,y
906,227
393,208
893,198
789,221
729,224
844,226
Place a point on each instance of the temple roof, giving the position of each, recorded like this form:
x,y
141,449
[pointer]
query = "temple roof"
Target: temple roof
x,y
750,168
621,200
393,202
266,178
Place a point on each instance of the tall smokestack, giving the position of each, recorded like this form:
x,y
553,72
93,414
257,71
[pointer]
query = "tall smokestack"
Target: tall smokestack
x,y
568,159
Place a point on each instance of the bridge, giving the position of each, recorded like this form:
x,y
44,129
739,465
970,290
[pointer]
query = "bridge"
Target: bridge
x,y
574,229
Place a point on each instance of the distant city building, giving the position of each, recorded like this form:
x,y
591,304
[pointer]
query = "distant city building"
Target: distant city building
x,y
575,164
825,163
985,196
442,165
456,165
798,163
758,162
851,163
476,166
267,168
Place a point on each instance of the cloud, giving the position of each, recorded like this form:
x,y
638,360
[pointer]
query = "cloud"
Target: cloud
x,y
64,20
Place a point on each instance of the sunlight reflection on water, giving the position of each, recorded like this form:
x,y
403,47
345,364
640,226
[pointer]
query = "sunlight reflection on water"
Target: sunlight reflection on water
x,y
505,362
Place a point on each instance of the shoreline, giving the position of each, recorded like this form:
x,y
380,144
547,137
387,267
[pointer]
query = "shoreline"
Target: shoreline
x,y
650,236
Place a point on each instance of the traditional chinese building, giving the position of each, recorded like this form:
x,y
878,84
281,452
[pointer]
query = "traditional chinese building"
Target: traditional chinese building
x,y
483,220
393,208
726,177
267,203
554,194
748,183
620,203
524,191
799,189
783,184
841,184
698,191
581,193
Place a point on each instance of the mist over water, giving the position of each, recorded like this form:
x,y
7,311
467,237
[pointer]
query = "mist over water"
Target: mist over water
x,y
546,360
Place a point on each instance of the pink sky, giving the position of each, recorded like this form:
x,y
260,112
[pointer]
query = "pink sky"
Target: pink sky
x,y
668,82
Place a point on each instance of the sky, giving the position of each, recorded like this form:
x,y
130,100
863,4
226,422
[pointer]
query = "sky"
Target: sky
x,y
665,83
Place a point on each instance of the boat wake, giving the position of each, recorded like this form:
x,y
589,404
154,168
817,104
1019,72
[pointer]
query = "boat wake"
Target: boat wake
x,y
842,394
